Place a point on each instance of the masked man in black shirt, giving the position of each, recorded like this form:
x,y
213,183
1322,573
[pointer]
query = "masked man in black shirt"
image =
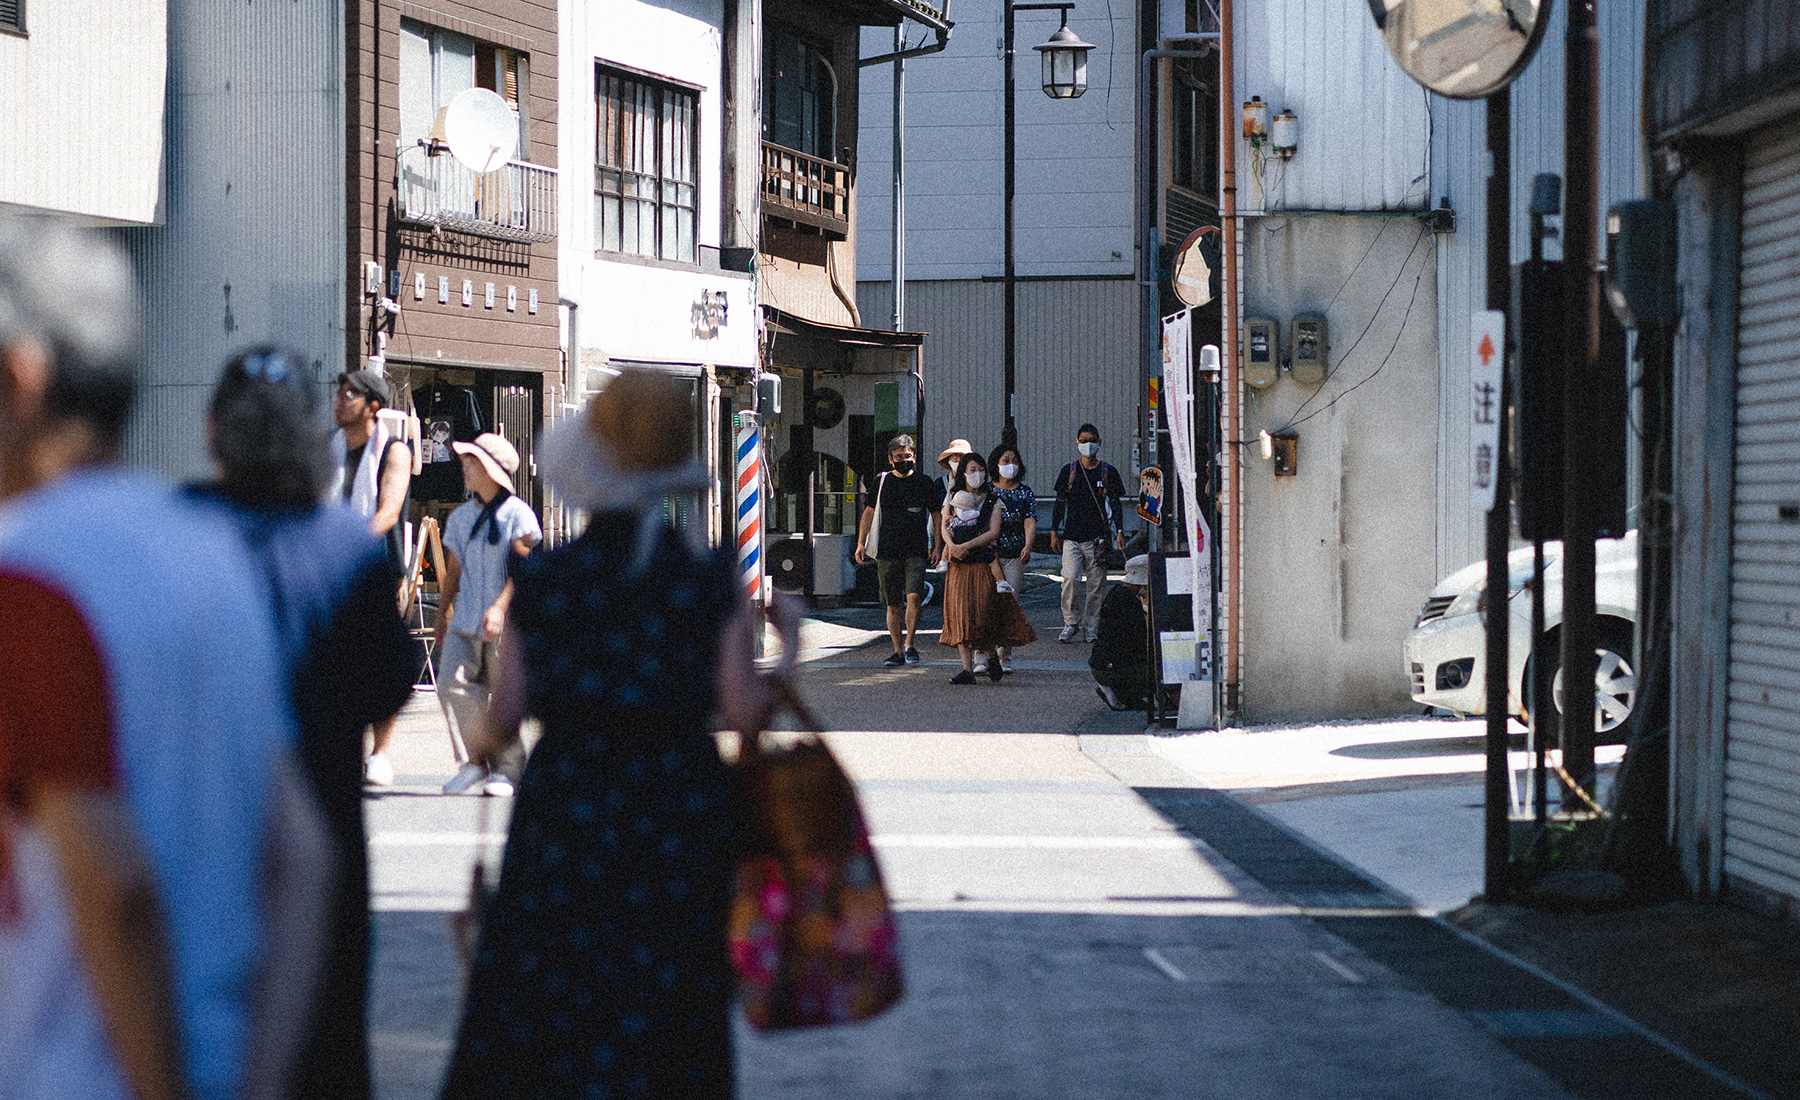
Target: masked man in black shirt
x,y
896,531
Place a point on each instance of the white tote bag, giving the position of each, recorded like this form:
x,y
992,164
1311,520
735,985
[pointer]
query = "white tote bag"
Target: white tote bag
x,y
872,548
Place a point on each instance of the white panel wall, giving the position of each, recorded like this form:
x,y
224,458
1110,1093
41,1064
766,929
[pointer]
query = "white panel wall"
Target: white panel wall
x,y
81,116
678,40
1073,199
252,249
1364,125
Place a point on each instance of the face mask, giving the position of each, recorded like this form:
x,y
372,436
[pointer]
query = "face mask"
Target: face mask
x,y
975,478
1008,470
1088,450
903,467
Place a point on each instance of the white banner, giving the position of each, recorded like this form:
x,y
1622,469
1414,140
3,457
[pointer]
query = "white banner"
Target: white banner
x,y
1487,358
1178,393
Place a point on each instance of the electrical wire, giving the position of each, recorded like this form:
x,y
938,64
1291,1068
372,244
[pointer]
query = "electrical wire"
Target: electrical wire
x,y
1420,278
1374,314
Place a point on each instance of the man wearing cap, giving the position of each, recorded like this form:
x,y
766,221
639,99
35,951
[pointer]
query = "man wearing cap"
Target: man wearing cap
x,y
373,481
481,538
377,467
1120,660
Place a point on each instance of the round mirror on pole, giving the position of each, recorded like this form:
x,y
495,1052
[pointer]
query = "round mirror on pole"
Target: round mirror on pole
x,y
1065,64
1464,49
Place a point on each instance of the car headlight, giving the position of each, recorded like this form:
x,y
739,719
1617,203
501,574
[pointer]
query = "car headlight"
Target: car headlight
x,y
1468,602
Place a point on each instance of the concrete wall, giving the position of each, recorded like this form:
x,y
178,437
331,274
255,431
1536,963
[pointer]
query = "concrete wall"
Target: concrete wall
x,y
1338,557
252,248
82,117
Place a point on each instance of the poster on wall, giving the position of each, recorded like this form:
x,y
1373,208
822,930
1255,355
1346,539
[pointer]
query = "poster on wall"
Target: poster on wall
x,y
1178,398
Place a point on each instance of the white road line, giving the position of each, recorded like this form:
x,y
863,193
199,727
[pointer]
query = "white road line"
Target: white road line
x,y
1339,968
1170,970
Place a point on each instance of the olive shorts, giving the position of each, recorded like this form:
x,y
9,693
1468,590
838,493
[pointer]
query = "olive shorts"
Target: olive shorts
x,y
900,578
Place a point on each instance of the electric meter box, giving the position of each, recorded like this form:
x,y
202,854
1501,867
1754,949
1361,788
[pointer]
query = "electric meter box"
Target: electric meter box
x,y
1308,365
1262,344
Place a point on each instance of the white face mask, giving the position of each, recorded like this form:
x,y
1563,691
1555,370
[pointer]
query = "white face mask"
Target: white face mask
x,y
1009,470
974,478
1088,450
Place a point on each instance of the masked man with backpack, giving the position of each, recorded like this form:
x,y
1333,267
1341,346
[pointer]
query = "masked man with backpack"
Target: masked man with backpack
x,y
1089,520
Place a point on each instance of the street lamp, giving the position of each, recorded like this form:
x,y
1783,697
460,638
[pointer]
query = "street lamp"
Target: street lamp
x,y
1065,77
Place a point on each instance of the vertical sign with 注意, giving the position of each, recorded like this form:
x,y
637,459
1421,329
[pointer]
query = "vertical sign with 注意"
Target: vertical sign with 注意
x,y
1178,403
1487,357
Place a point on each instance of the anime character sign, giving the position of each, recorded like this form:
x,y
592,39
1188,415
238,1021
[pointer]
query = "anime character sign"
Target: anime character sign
x,y
437,443
1150,494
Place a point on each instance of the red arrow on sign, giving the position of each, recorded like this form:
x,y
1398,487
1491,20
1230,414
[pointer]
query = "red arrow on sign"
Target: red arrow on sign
x,y
1486,350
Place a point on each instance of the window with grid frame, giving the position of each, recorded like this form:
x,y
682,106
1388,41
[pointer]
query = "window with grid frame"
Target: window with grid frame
x,y
646,167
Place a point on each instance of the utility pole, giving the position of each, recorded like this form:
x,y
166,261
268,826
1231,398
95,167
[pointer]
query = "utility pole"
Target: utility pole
x,y
1581,167
1496,864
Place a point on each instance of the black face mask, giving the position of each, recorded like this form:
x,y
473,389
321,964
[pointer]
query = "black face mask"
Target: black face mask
x,y
903,467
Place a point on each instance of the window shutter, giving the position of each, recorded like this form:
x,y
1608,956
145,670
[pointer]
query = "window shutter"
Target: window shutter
x,y
12,14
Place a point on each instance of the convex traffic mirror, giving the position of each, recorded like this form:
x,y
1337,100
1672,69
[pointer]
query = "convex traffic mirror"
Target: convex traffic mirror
x,y
1464,49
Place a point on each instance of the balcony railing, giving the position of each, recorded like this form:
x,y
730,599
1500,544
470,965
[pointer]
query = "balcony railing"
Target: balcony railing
x,y
516,202
806,189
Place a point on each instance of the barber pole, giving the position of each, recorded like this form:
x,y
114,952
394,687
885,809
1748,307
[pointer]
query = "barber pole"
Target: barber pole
x,y
749,507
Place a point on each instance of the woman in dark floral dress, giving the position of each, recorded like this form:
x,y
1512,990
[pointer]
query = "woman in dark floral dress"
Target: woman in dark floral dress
x,y
601,968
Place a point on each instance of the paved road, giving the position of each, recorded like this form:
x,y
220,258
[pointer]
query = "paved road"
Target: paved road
x,y
1069,929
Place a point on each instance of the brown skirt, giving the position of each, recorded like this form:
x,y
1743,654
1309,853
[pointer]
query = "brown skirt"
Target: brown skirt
x,y
976,615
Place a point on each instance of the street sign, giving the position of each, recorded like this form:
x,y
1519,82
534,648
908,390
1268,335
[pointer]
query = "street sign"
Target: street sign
x,y
1487,358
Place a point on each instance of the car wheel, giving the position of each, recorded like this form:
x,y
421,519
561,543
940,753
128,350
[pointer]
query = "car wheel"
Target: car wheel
x,y
1615,689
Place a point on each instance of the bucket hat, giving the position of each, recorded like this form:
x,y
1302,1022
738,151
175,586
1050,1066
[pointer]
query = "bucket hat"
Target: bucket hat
x,y
498,457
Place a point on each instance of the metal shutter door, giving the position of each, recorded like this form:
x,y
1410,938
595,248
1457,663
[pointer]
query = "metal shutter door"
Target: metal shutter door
x,y
1762,741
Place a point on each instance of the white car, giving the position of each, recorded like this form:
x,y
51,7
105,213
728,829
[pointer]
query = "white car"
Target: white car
x,y
1446,651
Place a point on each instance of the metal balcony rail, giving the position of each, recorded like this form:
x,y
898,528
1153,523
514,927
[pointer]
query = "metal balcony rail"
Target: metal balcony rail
x,y
516,202
806,189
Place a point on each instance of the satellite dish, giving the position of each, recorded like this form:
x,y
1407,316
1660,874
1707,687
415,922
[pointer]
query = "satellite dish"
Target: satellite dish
x,y
1460,49
481,130
1197,268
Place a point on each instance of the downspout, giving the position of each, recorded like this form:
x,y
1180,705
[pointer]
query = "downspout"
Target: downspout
x,y
1230,386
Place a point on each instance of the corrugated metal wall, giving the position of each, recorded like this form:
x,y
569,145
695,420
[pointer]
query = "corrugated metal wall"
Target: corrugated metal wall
x,y
1459,172
1077,361
1364,124
252,248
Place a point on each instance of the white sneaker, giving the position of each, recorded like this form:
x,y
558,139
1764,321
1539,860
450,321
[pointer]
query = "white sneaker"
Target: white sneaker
x,y
980,665
1090,636
466,778
1006,664
377,771
498,785
1004,586
1068,634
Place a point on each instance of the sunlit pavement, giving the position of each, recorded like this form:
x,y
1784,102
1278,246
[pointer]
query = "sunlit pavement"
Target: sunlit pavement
x,y
1082,916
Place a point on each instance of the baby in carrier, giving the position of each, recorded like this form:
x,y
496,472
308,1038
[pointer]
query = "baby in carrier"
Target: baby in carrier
x,y
965,521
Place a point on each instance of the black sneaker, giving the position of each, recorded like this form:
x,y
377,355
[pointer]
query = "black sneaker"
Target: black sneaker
x,y
963,677
895,661
912,655
994,669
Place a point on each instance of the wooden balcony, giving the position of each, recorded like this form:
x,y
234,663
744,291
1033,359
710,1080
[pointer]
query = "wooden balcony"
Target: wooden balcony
x,y
806,190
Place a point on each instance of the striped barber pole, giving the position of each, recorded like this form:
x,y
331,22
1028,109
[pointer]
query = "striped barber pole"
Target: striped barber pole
x,y
749,508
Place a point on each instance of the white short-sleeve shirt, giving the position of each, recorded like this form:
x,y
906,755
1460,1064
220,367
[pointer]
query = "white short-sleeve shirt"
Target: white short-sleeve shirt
x,y
484,563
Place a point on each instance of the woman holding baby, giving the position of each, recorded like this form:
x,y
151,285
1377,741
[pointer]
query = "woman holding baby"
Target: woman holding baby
x,y
979,614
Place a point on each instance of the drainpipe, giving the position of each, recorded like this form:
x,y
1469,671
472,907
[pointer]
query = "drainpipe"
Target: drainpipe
x,y
1230,387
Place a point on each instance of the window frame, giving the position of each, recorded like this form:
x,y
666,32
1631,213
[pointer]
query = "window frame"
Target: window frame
x,y
823,128
638,118
494,56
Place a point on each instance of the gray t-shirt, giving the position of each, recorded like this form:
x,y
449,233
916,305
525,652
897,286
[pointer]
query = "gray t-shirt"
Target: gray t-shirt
x,y
484,564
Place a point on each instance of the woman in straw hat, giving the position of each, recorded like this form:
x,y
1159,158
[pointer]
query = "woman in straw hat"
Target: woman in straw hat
x,y
601,967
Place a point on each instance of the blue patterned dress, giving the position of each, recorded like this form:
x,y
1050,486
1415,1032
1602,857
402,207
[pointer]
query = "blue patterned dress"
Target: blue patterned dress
x,y
601,970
